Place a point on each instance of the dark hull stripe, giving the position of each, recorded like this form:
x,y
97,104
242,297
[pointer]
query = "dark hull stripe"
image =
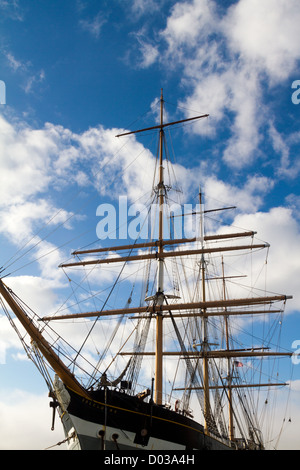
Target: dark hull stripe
x,y
129,414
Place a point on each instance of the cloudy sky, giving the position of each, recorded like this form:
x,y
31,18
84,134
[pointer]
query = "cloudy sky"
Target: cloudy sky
x,y
78,72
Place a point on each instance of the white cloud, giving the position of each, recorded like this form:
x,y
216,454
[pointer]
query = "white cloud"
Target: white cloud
x,y
25,159
142,7
248,199
225,57
37,292
34,159
242,147
19,221
11,9
8,339
30,77
210,94
149,54
26,422
266,34
284,419
27,162
289,165
281,230
293,202
219,82
37,164
13,62
94,25
42,298
39,77
188,22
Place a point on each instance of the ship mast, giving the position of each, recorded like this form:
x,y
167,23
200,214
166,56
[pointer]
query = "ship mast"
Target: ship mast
x,y
229,374
207,417
158,299
160,278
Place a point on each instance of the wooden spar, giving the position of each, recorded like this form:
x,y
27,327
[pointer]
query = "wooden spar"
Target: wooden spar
x,y
221,387
163,242
162,125
205,212
214,354
45,348
165,254
185,306
213,314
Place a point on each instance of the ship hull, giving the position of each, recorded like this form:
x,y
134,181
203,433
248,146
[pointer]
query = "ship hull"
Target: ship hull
x,y
113,420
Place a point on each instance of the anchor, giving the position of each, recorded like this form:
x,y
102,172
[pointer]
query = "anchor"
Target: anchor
x,y
53,404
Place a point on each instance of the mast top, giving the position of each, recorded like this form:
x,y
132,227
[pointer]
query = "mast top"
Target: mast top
x,y
162,125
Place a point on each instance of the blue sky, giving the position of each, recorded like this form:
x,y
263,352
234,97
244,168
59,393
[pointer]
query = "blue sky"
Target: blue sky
x,y
77,71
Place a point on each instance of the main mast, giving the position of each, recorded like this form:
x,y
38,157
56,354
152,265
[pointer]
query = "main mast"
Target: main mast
x,y
160,278
158,299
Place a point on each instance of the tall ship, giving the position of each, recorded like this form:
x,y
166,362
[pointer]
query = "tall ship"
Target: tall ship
x,y
185,345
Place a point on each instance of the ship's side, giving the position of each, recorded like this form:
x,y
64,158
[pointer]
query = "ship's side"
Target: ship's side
x,y
113,420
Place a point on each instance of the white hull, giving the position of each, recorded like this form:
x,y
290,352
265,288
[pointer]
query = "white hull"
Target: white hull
x,y
84,435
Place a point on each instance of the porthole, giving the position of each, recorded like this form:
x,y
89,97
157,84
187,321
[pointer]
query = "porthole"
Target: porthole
x,y
101,433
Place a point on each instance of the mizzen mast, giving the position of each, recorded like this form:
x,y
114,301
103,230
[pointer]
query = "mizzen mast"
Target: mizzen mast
x,y
160,278
205,344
